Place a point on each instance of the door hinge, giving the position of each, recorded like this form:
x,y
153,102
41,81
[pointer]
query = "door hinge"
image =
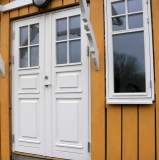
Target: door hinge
x,y
13,138
147,19
87,50
12,60
13,35
150,83
147,1
89,147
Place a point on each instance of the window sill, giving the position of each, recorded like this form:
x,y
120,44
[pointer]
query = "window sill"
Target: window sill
x,y
129,101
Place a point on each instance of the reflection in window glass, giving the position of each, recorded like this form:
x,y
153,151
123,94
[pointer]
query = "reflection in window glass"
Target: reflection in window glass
x,y
34,34
129,62
75,51
24,36
34,56
61,27
23,58
135,21
134,5
119,23
61,50
118,8
75,29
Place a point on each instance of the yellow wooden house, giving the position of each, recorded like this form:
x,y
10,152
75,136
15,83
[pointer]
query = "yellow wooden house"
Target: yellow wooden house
x,y
79,79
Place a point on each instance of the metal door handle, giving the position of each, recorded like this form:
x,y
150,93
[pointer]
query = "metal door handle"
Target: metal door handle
x,y
47,84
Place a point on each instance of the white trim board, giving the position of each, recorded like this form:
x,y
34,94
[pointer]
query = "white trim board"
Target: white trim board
x,y
15,4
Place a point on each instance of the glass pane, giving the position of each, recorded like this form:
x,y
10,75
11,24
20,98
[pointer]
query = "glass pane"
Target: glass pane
x,y
23,57
24,36
136,21
118,8
119,23
61,26
61,49
34,56
75,27
34,34
129,62
75,51
134,5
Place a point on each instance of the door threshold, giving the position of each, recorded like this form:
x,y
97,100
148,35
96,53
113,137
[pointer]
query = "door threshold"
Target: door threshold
x,y
16,154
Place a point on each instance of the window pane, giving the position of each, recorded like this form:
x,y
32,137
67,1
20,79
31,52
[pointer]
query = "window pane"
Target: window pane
x,y
75,27
119,23
136,21
24,36
61,26
23,57
34,56
34,34
61,49
134,5
75,51
129,62
118,8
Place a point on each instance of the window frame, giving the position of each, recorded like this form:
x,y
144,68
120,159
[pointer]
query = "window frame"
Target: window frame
x,y
136,97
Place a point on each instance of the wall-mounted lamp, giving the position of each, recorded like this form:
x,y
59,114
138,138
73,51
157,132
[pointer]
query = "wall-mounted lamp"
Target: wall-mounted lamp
x,y
40,3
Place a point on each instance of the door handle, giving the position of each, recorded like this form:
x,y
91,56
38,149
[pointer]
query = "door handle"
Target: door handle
x,y
47,84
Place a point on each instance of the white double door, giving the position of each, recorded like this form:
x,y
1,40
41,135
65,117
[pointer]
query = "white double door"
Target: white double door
x,y
50,78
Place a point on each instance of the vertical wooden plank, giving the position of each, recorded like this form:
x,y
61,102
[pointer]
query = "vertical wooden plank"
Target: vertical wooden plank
x,y
23,11
14,13
56,3
33,9
98,84
47,7
113,132
4,92
155,19
147,132
67,2
129,132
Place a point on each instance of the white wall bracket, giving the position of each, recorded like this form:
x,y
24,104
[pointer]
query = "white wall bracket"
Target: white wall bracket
x,y
2,67
89,33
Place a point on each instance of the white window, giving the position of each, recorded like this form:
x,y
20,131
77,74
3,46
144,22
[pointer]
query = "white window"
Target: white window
x,y
129,56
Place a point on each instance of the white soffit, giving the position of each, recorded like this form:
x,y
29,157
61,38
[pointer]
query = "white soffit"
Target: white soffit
x,y
85,18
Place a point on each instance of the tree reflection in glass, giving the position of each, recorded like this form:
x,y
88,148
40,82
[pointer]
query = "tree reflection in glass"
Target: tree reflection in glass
x,y
129,63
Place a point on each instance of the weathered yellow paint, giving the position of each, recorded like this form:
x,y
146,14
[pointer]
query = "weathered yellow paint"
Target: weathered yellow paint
x,y
147,132
14,13
113,141
155,19
67,2
4,92
98,84
33,9
56,3
129,132
23,11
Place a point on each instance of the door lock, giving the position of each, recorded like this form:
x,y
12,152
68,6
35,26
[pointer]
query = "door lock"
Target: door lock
x,y
47,84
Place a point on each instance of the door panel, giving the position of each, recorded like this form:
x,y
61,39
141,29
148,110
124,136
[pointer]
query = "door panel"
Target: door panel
x,y
50,86
28,89
70,86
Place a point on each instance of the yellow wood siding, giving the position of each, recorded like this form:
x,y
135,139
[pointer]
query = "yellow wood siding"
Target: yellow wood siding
x,y
119,132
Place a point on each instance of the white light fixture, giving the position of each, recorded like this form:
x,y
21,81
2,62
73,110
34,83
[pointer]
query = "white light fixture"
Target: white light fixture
x,y
40,3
